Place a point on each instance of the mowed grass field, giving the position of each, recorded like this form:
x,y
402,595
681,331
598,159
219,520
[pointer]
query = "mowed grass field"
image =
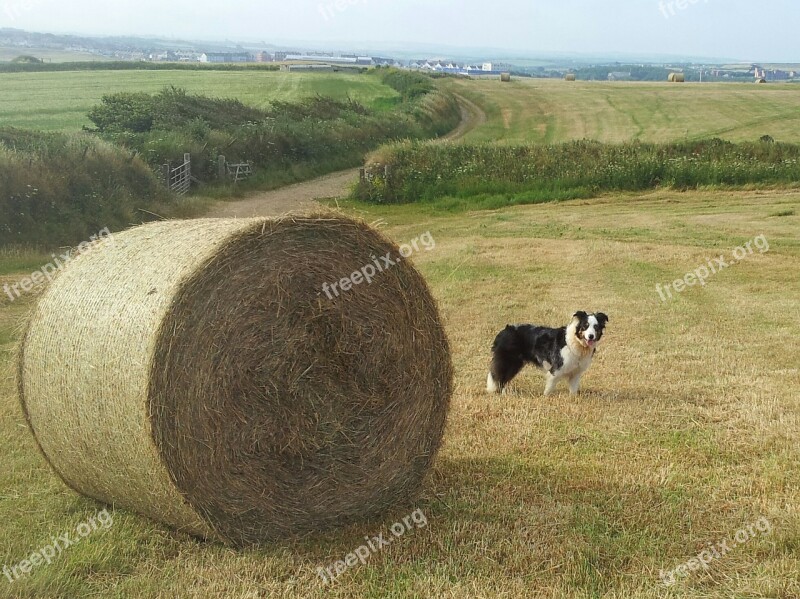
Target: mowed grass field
x,y
553,111
60,101
687,430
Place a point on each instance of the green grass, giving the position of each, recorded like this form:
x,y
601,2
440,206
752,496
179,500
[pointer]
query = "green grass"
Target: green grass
x,y
8,54
688,428
553,111
60,101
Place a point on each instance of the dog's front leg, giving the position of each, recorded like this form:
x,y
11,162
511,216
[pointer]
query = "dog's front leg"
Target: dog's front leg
x,y
551,384
575,383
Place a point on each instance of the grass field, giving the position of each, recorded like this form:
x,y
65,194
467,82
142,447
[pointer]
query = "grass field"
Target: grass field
x,y
47,54
551,111
687,431
60,101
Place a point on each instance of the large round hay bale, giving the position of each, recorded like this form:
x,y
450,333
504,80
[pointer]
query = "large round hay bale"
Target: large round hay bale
x,y
570,77
677,78
505,77
196,372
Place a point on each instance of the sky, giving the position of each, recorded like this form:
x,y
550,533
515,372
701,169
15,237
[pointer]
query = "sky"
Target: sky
x,y
764,31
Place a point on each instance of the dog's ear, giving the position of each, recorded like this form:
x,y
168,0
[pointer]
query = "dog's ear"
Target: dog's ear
x,y
601,318
580,315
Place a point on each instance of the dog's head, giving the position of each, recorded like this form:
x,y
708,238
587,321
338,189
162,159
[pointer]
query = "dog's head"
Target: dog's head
x,y
588,328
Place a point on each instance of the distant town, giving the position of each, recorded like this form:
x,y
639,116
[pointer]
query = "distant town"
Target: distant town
x,y
298,59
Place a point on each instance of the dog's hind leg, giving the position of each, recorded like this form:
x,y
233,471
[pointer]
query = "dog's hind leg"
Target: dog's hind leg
x,y
503,370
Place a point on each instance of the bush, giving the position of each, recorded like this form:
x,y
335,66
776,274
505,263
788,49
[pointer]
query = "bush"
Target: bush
x,y
419,171
327,133
61,189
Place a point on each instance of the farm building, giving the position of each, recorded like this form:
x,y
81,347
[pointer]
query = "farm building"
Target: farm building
x,y
222,57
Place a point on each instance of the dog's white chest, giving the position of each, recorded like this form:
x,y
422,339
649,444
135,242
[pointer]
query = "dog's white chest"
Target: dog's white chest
x,y
574,362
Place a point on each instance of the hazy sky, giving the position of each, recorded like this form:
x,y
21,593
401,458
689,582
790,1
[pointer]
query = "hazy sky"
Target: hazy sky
x,y
764,30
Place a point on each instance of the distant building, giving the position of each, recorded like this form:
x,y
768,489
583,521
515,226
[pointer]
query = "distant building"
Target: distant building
x,y
619,76
223,57
487,66
264,57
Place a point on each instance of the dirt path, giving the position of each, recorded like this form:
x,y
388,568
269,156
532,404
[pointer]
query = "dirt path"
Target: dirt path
x,y
303,196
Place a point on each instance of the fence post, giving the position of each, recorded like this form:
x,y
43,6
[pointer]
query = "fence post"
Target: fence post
x,y
165,174
221,167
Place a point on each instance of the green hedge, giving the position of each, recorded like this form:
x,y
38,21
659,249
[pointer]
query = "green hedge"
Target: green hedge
x,y
61,189
420,171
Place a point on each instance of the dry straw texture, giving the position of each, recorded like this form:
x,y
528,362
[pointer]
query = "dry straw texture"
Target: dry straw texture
x,y
195,372
677,78
505,77
570,77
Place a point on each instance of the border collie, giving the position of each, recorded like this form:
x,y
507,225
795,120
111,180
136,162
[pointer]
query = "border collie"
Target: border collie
x,y
564,353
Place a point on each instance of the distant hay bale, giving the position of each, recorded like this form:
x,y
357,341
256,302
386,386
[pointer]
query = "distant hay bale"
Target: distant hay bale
x,y
196,373
505,77
570,77
761,81
677,78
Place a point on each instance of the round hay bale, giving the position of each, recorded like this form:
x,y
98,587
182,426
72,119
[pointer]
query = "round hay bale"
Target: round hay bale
x,y
677,78
195,372
761,81
505,77
570,77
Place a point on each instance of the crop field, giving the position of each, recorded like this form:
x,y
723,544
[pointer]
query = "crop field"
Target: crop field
x,y
59,101
552,111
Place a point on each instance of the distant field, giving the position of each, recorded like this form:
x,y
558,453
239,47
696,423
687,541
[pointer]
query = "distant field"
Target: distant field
x,y
47,54
60,101
549,111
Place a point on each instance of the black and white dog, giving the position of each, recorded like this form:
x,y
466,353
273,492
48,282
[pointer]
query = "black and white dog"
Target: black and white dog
x,y
564,353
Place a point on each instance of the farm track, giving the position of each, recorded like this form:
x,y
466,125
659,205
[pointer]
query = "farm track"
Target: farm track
x,y
303,196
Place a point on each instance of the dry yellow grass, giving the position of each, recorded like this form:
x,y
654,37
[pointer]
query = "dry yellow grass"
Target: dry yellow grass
x,y
688,428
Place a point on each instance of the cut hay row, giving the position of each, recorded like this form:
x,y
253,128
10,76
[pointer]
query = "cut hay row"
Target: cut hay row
x,y
195,372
